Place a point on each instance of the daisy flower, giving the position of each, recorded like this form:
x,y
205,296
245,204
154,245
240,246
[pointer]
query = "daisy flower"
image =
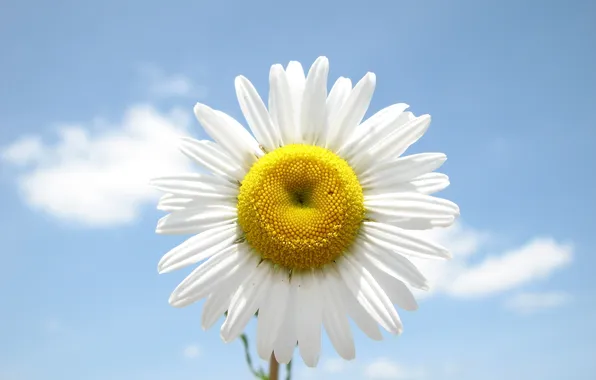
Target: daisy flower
x,y
306,219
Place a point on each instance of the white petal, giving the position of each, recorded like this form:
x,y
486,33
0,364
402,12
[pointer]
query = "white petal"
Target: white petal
x,y
371,131
396,143
246,301
314,112
390,263
425,184
369,294
337,96
207,276
357,313
218,302
396,290
309,317
402,169
281,107
173,203
215,306
409,205
198,248
351,112
398,240
286,340
256,114
416,223
365,158
296,80
335,315
271,313
229,134
191,184
211,156
188,221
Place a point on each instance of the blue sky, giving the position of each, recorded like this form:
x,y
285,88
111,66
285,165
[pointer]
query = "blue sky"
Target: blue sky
x,y
92,93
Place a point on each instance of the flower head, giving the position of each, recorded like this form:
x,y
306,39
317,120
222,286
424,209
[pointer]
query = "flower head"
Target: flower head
x,y
306,222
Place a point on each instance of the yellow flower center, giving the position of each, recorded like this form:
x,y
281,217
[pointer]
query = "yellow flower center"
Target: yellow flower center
x,y
300,206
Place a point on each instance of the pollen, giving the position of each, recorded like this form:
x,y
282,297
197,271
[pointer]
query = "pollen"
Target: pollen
x,y
300,206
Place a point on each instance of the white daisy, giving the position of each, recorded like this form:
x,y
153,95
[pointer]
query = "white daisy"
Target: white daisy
x,y
306,222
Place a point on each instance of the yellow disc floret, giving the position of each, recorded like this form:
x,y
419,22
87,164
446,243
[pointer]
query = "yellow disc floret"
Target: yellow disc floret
x,y
300,206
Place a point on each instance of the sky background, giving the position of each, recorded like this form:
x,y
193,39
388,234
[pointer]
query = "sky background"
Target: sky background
x,y
93,96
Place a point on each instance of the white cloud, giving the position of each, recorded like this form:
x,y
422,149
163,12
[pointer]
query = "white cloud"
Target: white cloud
x,y
384,368
529,303
192,351
97,175
163,85
335,365
24,151
535,260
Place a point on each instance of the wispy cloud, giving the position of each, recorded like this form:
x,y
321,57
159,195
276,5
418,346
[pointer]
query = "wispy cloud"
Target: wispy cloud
x,y
98,175
192,351
535,260
335,365
160,84
384,368
26,150
530,303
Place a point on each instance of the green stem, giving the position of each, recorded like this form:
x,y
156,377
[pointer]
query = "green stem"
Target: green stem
x,y
259,374
289,371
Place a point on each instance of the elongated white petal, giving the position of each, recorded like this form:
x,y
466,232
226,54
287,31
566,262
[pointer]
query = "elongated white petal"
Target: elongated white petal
x,y
402,169
246,301
364,159
351,112
218,302
229,134
212,157
337,96
335,315
416,223
396,290
369,294
371,131
296,80
274,306
365,322
390,263
314,112
396,143
198,248
281,106
215,306
188,221
286,340
207,276
358,262
171,202
191,184
256,114
409,205
425,184
198,204
309,317
398,240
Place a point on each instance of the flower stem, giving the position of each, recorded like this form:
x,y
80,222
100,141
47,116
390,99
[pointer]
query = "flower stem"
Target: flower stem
x,y
273,368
